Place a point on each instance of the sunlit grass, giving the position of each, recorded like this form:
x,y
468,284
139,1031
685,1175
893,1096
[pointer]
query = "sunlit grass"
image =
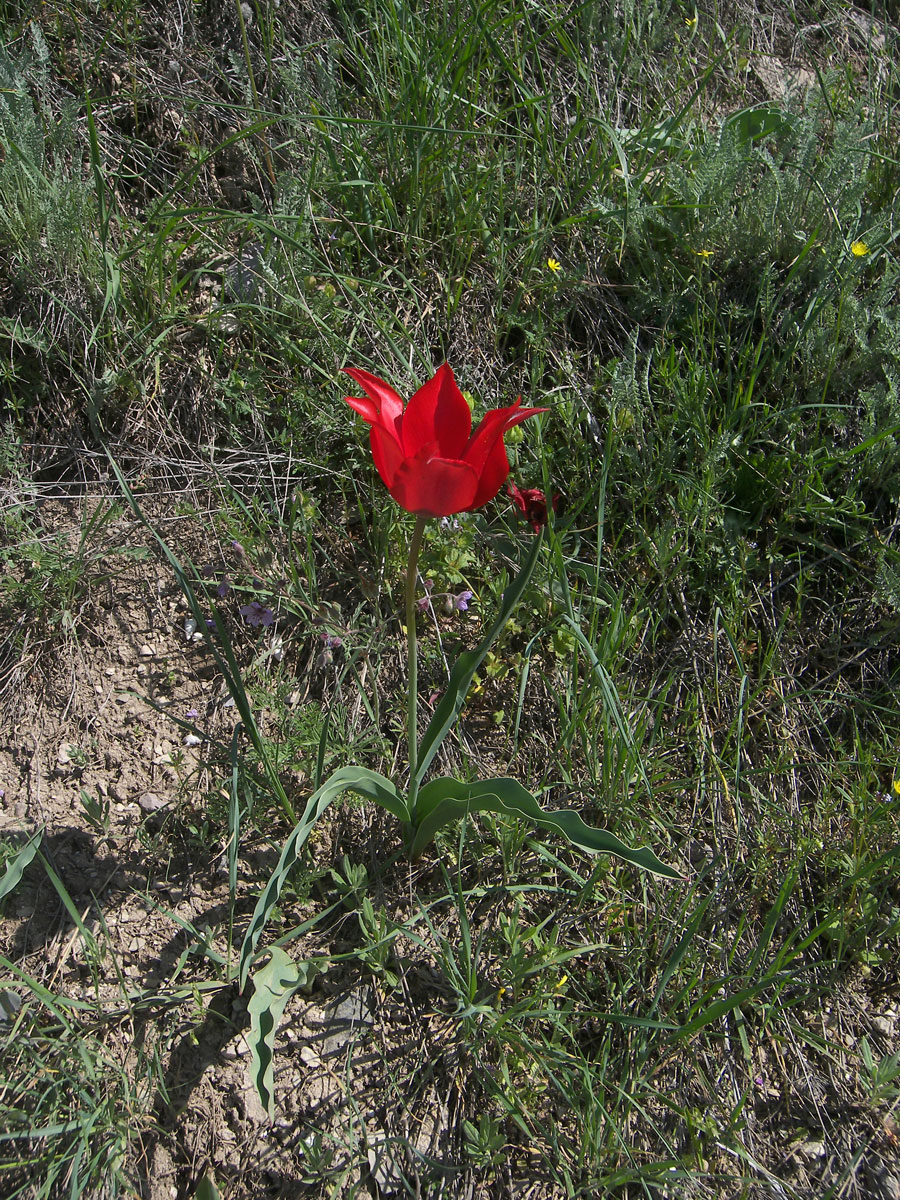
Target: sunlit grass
x,y
607,213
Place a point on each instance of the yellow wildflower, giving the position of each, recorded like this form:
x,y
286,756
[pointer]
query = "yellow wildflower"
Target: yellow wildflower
x,y
896,786
704,253
553,265
690,22
859,249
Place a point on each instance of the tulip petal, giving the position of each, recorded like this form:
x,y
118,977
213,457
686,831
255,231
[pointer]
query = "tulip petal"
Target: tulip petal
x,y
434,487
493,473
386,454
366,408
486,453
387,404
437,415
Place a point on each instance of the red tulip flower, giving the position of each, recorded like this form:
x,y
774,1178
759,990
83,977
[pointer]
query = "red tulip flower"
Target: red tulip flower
x,y
429,458
532,503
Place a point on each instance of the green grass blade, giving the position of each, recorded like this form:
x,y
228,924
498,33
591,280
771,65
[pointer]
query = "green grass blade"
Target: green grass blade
x,y
224,657
69,904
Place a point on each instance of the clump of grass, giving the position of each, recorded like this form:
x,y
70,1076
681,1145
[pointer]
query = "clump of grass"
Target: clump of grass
x,y
74,1111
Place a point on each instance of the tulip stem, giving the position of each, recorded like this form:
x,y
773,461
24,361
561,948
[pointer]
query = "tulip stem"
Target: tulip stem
x,y
412,710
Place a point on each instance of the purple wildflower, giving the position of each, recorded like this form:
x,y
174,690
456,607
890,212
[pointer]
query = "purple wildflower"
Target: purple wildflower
x,y
224,588
329,643
257,614
424,603
191,714
461,602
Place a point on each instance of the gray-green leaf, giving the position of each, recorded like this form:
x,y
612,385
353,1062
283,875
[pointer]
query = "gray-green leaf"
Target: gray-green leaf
x,y
444,800
273,986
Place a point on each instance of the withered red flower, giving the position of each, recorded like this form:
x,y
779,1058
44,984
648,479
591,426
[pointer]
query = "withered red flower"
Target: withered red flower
x,y
532,503
429,458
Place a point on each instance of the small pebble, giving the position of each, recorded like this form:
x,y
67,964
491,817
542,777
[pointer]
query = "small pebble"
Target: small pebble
x,y
150,802
811,1150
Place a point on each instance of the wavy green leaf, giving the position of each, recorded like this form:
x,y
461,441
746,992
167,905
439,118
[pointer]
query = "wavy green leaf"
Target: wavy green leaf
x,y
444,800
347,779
273,986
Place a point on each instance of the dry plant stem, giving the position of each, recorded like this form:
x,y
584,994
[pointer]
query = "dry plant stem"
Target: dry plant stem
x,y
412,708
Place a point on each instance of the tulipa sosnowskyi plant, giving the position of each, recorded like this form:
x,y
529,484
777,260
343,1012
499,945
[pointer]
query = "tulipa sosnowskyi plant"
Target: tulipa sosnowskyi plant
x,y
434,465
428,457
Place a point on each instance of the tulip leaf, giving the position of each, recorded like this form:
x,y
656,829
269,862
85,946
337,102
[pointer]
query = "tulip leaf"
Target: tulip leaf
x,y
347,779
444,800
206,1188
467,664
15,867
273,986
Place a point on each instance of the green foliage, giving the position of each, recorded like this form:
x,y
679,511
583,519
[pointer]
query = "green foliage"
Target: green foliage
x,y
883,1073
78,1130
378,934
273,986
15,866
46,206
351,881
444,800
485,1141
706,663
47,579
